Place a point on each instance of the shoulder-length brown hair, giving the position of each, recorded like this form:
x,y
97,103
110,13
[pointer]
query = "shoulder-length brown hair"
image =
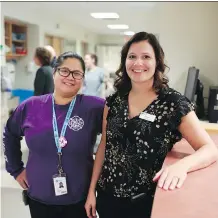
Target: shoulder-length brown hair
x,y
43,55
123,83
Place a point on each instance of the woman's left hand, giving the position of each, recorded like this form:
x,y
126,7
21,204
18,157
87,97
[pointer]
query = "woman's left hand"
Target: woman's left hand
x,y
172,176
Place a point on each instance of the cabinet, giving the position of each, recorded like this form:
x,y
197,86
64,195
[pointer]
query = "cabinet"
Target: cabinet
x,y
15,39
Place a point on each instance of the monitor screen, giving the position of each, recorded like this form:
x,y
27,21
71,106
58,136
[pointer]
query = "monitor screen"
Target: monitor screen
x,y
191,83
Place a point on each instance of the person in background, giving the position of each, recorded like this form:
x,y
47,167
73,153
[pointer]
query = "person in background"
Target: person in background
x,y
43,83
94,77
143,119
60,130
53,55
94,82
109,87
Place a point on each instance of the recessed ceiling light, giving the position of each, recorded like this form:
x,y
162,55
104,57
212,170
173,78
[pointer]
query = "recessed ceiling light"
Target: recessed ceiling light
x,y
105,15
129,33
118,26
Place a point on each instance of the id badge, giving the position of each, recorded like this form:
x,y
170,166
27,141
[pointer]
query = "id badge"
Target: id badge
x,y
146,116
60,184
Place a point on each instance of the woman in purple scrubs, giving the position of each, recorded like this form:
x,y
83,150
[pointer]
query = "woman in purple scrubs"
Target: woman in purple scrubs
x,y
60,130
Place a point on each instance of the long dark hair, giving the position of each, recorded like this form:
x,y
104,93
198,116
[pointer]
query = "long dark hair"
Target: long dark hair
x,y
67,55
123,83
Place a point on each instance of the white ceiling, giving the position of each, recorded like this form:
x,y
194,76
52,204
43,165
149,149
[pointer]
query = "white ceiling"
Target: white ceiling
x,y
131,13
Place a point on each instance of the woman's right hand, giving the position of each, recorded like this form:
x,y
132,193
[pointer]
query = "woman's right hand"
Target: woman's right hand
x,y
90,205
22,180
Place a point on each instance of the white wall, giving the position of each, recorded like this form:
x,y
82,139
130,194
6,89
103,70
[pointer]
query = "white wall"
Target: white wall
x,y
188,33
40,24
46,22
110,39
109,57
2,58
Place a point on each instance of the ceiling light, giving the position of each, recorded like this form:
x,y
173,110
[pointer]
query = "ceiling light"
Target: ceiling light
x,y
129,33
118,26
105,15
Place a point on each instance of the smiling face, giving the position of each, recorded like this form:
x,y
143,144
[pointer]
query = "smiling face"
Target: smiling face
x,y
68,86
141,62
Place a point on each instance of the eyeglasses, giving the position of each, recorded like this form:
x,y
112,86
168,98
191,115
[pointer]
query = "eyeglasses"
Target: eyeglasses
x,y
65,72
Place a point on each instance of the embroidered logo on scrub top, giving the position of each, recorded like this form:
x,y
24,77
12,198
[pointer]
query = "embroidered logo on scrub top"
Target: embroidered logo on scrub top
x,y
76,123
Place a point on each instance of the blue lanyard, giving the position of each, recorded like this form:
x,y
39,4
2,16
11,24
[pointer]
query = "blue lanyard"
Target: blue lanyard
x,y
55,126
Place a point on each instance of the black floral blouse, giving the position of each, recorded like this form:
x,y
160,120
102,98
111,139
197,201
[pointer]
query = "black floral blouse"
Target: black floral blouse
x,y
136,148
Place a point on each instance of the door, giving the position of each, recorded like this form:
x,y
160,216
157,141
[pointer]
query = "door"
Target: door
x,y
55,42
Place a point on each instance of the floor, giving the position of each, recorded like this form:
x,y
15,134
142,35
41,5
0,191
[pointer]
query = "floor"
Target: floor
x,y
11,198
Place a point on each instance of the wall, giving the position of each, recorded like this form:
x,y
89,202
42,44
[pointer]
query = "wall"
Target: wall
x,y
46,24
40,25
22,70
2,58
108,50
188,33
110,39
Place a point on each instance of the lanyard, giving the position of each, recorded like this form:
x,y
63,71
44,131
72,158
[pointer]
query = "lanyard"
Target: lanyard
x,y
55,126
63,130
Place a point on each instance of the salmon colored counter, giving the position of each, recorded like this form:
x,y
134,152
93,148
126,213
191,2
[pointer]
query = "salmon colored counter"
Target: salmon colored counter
x,y
198,197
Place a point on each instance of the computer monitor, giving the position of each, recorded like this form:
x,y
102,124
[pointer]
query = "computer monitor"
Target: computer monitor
x,y
191,83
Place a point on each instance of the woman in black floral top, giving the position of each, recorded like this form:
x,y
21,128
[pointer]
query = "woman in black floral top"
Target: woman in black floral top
x,y
142,122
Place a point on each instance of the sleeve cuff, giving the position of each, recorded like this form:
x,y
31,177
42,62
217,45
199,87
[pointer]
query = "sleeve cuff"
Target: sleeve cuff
x,y
17,173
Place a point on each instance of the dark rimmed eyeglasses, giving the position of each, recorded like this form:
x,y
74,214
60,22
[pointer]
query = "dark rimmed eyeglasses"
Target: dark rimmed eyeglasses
x,y
65,72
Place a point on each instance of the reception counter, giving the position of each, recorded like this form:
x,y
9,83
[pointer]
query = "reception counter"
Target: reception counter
x,y
198,197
